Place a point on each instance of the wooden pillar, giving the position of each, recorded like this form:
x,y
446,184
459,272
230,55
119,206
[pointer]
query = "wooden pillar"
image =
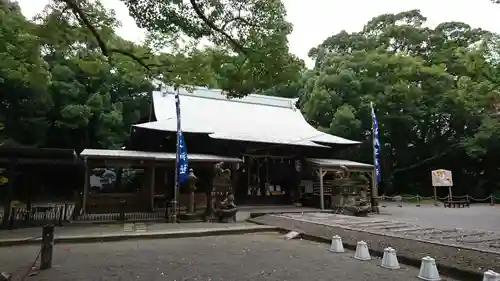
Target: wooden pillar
x,y
11,176
85,188
374,191
153,181
321,174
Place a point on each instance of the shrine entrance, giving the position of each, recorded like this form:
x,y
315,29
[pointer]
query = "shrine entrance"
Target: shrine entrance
x,y
266,180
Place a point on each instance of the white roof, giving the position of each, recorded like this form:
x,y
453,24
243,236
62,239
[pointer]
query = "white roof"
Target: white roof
x,y
254,118
338,163
156,156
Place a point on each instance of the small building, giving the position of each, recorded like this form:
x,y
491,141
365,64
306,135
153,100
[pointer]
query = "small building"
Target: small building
x,y
275,156
34,179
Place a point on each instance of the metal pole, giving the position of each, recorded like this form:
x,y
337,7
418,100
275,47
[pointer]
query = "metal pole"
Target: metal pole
x,y
173,217
374,192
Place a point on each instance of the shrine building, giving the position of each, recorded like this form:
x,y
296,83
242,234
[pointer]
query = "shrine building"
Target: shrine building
x,y
275,156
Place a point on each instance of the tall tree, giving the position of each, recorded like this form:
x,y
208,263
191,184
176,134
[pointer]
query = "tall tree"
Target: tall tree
x,y
253,32
433,90
94,102
24,78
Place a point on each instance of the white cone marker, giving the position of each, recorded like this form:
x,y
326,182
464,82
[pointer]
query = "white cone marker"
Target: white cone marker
x,y
336,246
428,270
362,252
390,260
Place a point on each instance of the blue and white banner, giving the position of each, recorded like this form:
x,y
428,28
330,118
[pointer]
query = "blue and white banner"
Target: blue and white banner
x,y
376,144
183,161
182,156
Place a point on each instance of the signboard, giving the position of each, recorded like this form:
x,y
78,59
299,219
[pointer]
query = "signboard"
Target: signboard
x,y
441,177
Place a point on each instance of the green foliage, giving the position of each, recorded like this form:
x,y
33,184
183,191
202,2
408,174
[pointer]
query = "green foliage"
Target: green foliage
x,y
435,93
67,80
251,37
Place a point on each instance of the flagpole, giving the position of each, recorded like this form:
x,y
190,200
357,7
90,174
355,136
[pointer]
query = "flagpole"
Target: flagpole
x,y
173,215
374,152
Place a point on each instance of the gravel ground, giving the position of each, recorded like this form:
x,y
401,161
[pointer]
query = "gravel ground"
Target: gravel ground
x,y
265,256
452,260
478,216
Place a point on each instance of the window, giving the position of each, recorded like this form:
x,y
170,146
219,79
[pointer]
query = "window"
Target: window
x,y
116,180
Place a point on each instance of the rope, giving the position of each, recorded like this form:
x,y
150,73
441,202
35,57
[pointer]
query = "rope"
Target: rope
x,y
31,267
418,197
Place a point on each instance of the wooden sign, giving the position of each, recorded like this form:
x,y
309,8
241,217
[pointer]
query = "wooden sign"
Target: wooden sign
x,y
441,177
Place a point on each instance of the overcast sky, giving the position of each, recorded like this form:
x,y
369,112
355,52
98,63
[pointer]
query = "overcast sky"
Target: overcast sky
x,y
315,20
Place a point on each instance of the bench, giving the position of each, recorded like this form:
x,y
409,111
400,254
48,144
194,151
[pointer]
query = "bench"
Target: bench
x,y
456,204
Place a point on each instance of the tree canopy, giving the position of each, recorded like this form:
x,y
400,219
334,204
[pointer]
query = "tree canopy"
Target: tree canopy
x,y
68,80
435,92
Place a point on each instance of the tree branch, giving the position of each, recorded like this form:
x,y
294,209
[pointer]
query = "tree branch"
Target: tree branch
x,y
212,25
80,15
423,162
236,19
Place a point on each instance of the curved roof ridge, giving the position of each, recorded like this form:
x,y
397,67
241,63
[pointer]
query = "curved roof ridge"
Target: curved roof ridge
x,y
203,92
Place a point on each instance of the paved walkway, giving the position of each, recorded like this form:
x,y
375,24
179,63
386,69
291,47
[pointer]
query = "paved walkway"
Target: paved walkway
x,y
237,257
112,232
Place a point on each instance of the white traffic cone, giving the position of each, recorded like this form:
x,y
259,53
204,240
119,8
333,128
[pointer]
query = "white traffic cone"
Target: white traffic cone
x,y
362,252
390,260
491,275
336,246
428,270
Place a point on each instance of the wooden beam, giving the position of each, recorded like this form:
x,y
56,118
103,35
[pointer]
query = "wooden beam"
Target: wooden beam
x,y
321,173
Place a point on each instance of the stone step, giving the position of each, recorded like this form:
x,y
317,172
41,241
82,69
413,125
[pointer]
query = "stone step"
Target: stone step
x,y
490,238
434,231
368,223
412,229
462,235
395,225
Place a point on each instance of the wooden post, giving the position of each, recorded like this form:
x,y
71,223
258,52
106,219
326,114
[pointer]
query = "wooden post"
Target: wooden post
x,y
47,247
374,191
435,196
153,178
7,208
85,188
62,211
123,203
321,174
